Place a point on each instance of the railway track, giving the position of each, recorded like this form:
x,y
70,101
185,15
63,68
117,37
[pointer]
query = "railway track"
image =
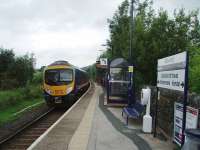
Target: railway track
x,y
24,137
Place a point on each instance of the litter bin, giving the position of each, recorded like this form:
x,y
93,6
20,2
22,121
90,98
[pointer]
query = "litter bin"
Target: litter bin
x,y
192,139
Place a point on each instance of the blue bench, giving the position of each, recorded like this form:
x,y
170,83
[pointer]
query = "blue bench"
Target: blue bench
x,y
133,111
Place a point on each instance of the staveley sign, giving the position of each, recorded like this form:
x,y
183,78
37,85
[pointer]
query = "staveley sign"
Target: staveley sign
x,y
171,72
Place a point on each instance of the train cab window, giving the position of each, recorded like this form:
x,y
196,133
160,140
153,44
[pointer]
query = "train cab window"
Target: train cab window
x,y
66,75
58,77
51,76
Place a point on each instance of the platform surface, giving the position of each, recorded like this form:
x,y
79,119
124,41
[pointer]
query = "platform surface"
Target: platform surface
x,y
60,134
98,127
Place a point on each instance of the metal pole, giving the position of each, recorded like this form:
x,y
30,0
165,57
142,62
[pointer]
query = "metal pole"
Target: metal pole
x,y
111,51
131,29
156,112
131,74
185,98
107,79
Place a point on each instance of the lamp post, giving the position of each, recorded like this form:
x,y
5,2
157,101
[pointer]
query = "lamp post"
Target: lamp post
x,y
107,76
131,29
131,89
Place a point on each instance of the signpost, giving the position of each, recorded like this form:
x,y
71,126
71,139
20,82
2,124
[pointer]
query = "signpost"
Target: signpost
x,y
173,75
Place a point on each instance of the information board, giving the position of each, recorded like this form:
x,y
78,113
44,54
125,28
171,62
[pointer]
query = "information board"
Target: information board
x,y
191,121
171,79
171,72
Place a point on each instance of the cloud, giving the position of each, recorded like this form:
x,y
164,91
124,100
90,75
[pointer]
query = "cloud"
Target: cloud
x,y
72,30
171,5
64,29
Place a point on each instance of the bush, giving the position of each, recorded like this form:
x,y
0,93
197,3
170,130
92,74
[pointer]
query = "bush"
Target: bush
x,y
32,91
194,75
22,70
15,96
15,71
8,84
37,78
9,98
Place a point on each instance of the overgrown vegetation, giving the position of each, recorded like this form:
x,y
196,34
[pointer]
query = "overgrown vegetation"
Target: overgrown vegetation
x,y
155,35
20,84
15,71
91,70
9,113
13,97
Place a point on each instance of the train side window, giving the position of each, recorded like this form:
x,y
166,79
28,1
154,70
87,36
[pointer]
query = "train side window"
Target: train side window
x,y
77,77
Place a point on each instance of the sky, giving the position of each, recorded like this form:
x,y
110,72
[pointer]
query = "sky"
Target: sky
x,y
72,30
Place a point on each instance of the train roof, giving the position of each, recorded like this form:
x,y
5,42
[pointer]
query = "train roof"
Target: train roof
x,y
65,63
60,62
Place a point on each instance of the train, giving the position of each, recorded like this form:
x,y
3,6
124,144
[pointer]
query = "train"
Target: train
x,y
62,82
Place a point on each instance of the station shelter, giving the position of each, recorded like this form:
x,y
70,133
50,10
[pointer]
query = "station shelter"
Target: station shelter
x,y
118,81
101,70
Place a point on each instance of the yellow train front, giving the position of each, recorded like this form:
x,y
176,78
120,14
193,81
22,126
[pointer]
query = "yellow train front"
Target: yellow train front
x,y
62,82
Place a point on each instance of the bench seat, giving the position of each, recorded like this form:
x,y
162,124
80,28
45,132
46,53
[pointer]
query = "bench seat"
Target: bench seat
x,y
133,111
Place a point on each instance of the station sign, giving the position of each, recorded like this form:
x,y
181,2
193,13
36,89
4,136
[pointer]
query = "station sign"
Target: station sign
x,y
171,72
173,62
103,61
191,121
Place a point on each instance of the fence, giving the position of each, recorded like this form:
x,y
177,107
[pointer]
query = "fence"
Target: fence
x,y
166,107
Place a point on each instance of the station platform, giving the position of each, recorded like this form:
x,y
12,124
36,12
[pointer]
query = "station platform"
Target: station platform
x,y
91,125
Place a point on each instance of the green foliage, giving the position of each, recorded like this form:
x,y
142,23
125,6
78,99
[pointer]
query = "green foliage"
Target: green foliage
x,y
119,29
15,71
6,60
195,71
7,114
33,91
37,78
154,36
91,71
9,98
14,97
23,69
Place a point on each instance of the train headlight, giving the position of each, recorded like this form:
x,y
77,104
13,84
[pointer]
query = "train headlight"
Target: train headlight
x,y
49,91
69,90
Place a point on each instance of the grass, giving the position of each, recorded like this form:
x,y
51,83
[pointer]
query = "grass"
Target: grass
x,y
8,114
12,101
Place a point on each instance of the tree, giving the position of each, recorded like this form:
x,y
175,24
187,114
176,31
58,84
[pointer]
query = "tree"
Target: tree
x,y
6,59
154,36
23,69
118,44
194,73
15,71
